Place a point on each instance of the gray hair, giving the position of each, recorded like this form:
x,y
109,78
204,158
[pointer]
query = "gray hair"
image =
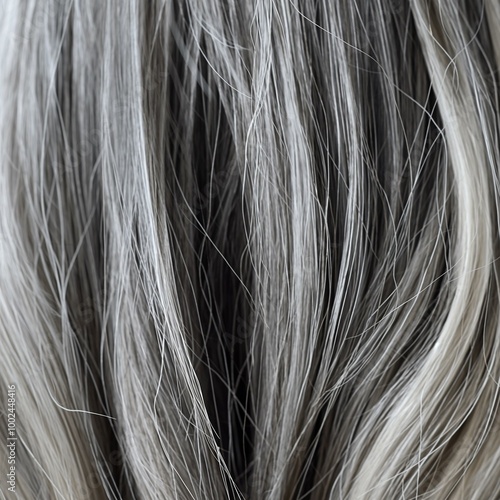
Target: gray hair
x,y
249,249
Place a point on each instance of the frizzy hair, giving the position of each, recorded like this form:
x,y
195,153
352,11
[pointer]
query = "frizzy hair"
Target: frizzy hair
x,y
249,249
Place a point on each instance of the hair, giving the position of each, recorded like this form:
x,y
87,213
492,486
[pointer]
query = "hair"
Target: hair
x,y
249,249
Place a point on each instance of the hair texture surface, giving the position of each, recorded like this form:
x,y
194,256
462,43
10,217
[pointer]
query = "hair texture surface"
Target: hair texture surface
x,y
249,248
